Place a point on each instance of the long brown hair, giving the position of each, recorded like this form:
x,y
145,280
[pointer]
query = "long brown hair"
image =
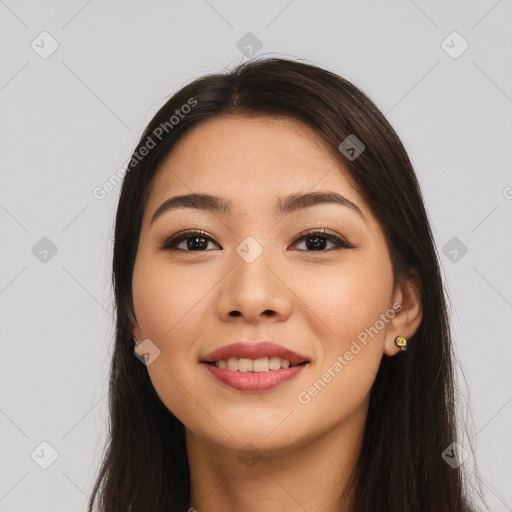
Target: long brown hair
x,y
412,412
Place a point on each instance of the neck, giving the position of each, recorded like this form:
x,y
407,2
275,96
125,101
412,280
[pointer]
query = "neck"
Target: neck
x,y
311,476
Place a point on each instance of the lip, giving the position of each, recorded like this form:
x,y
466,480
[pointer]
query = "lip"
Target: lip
x,y
254,381
254,351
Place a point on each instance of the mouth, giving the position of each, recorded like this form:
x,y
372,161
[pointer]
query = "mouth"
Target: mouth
x,y
254,366
260,365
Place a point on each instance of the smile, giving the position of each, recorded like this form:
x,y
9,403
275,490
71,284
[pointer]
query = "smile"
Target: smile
x,y
254,366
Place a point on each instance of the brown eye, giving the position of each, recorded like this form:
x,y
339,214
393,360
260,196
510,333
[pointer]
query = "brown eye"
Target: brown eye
x,y
317,241
190,241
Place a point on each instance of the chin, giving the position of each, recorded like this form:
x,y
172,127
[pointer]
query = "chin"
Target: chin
x,y
256,432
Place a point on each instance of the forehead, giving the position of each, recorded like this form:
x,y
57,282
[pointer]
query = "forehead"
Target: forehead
x,y
249,159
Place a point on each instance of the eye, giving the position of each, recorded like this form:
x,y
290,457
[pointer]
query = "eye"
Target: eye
x,y
193,241
317,240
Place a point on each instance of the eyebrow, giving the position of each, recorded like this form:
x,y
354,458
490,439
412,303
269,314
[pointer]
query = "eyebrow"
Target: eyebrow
x,y
287,204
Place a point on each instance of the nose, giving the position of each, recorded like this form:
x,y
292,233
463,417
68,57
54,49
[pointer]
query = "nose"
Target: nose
x,y
254,292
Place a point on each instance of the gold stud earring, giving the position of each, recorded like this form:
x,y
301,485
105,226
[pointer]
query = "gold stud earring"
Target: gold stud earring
x,y
401,342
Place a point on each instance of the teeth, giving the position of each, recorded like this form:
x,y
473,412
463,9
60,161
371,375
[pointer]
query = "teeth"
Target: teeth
x,y
274,363
244,364
261,365
232,363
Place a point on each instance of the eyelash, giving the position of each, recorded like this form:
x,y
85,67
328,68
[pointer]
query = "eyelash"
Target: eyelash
x,y
170,243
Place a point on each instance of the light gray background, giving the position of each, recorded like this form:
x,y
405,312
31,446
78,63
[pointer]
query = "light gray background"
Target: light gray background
x,y
69,121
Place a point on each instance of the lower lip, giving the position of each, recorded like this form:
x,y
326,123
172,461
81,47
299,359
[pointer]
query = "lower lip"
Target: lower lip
x,y
254,381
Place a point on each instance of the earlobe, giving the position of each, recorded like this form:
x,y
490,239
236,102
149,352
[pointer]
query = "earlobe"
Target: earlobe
x,y
407,320
401,342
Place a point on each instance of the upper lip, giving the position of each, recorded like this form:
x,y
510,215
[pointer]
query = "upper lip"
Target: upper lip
x,y
254,351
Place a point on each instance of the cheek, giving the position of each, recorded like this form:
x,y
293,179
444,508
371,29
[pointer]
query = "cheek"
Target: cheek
x,y
350,299
351,306
167,309
167,298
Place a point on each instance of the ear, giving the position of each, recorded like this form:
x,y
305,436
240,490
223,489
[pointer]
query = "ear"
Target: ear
x,y
407,320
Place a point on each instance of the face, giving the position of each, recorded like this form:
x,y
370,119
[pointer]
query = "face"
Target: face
x,y
313,277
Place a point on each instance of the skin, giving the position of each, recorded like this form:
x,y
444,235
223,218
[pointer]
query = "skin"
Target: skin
x,y
315,302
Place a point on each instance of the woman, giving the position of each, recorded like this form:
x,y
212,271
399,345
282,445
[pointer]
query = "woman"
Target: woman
x,y
276,277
